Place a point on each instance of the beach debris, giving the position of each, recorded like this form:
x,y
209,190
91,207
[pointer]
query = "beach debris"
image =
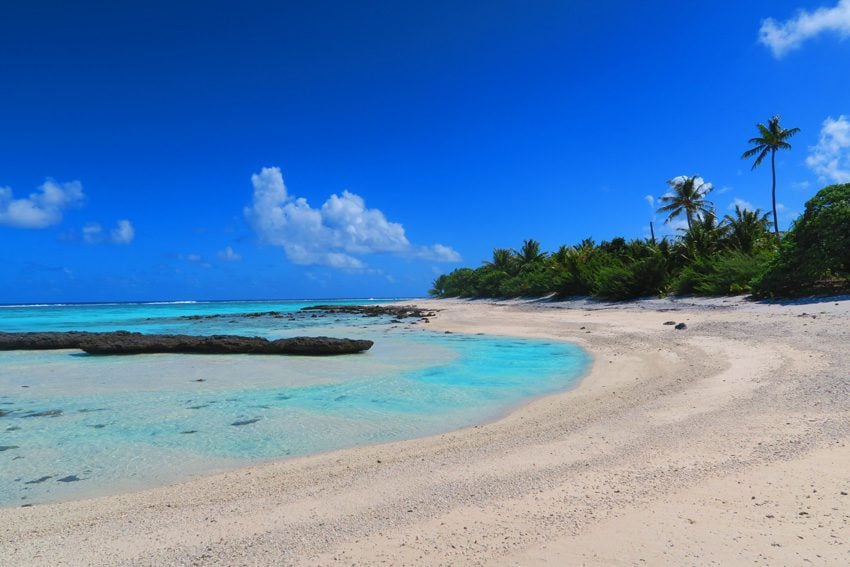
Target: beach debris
x,y
669,322
124,342
681,327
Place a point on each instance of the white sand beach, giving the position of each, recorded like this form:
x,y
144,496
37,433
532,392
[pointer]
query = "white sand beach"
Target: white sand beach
x,y
727,442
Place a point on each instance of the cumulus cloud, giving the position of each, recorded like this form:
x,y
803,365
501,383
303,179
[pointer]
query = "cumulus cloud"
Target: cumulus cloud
x,y
782,37
741,204
123,233
332,235
92,233
229,255
42,208
700,184
438,253
830,158
650,200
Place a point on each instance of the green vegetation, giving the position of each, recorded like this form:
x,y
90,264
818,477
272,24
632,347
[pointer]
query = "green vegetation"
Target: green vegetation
x,y
688,197
815,254
712,257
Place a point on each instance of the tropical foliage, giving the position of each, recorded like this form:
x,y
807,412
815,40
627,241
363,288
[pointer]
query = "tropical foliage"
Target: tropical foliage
x,y
815,254
733,255
713,257
688,197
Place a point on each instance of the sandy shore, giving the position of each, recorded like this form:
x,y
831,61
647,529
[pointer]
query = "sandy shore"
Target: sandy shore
x,y
724,443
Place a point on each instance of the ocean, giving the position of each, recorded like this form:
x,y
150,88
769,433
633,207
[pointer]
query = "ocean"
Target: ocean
x,y
74,425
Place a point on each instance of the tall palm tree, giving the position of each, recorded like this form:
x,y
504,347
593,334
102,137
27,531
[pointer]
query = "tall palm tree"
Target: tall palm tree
x,y
688,197
747,228
772,137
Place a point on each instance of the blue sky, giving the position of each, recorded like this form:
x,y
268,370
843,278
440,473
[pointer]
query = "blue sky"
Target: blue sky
x,y
212,150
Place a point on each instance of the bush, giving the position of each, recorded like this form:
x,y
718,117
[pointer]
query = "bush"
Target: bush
x,y
631,279
815,255
724,274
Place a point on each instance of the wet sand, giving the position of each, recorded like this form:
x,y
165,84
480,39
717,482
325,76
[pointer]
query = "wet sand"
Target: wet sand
x,y
725,442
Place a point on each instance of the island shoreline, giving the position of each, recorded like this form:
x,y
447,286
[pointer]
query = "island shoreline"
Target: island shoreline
x,y
655,420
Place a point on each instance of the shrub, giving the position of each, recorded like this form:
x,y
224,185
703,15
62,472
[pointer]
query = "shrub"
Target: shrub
x,y
815,255
724,274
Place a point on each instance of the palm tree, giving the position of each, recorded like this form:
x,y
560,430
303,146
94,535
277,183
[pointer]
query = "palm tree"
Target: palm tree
x,y
688,197
503,260
705,237
773,137
747,228
530,253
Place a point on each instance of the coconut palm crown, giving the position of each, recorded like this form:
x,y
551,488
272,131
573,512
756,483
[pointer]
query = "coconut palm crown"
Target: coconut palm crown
x,y
771,138
747,228
688,197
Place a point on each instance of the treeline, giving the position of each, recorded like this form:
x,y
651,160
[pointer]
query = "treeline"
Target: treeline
x,y
733,255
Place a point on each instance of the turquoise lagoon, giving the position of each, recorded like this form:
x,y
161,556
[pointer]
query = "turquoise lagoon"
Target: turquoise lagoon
x,y
74,425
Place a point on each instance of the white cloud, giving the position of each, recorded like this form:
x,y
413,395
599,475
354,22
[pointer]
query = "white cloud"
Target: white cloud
x,y
438,253
677,225
42,208
785,212
742,204
123,233
194,257
229,255
331,235
650,200
782,37
830,158
699,183
92,233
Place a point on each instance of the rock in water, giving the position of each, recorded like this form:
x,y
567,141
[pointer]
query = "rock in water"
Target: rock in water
x,y
123,342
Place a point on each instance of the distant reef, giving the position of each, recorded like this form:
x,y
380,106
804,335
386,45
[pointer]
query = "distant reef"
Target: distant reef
x,y
397,311
124,342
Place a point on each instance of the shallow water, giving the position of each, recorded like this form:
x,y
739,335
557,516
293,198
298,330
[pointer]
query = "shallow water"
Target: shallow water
x,y
73,425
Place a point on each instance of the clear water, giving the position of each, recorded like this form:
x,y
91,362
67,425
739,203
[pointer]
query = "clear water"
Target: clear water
x,y
73,425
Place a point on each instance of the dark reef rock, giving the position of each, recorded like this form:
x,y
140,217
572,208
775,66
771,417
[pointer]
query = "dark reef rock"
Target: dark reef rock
x,y
395,311
681,327
123,342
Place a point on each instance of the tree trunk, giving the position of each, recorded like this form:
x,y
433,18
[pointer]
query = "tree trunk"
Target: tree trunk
x,y
773,192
